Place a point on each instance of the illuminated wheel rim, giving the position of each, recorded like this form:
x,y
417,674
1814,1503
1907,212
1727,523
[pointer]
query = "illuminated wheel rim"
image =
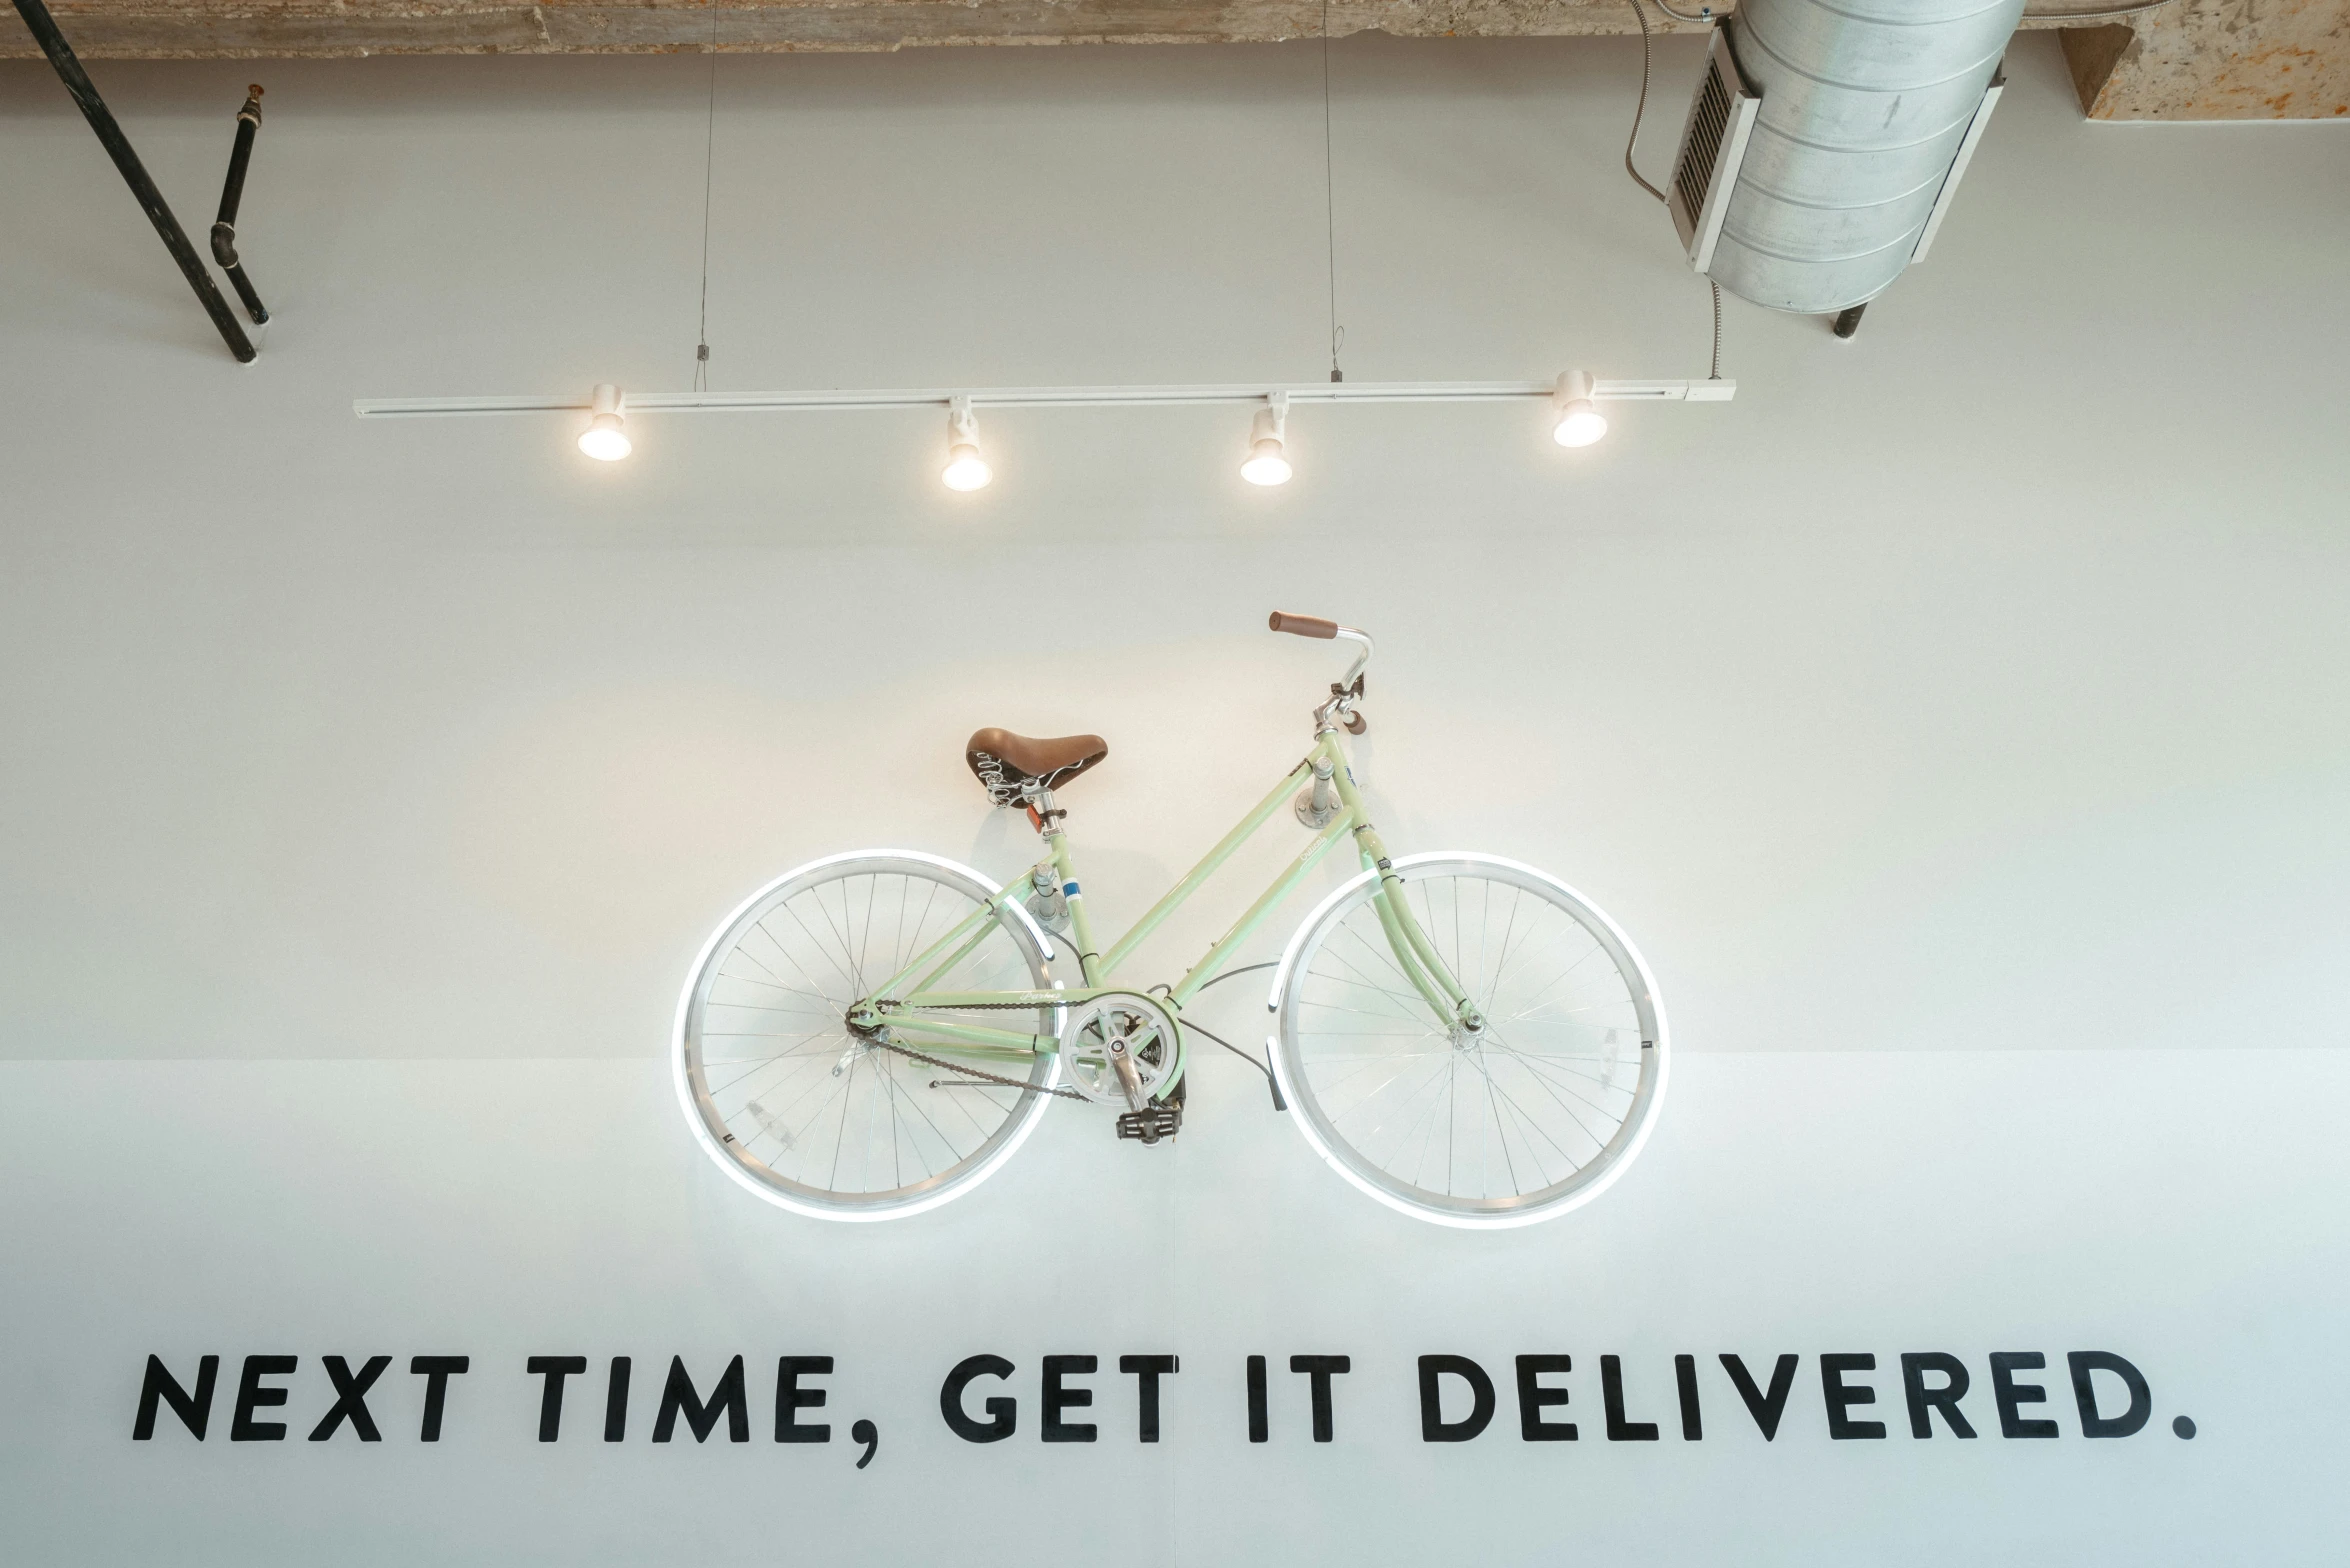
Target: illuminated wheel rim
x,y
1536,1114
799,1111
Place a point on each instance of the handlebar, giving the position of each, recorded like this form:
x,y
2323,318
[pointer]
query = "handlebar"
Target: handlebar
x,y
1348,689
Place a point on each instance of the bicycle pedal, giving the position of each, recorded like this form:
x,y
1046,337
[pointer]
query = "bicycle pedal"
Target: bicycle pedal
x,y
1150,1125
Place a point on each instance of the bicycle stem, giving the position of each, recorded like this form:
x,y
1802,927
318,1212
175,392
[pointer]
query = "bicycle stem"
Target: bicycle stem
x,y
1342,692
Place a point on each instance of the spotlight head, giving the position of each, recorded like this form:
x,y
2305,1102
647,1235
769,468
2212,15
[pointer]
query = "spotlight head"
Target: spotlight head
x,y
604,439
966,469
1268,455
1579,424
1266,465
1578,420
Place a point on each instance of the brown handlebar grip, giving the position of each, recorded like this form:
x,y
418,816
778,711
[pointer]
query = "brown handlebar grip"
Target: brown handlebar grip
x,y
1303,625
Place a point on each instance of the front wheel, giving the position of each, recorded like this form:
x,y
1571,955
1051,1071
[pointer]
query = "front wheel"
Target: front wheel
x,y
1523,1118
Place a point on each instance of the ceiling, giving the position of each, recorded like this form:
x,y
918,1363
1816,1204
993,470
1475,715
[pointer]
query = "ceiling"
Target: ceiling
x,y
2187,60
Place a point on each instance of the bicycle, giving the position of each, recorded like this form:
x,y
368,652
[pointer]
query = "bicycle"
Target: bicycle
x,y
1463,1038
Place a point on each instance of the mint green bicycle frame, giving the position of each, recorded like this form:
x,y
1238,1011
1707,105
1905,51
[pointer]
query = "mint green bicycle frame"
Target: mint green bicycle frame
x,y
908,1008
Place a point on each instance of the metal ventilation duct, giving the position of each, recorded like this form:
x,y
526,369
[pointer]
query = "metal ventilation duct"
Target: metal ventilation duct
x,y
1867,113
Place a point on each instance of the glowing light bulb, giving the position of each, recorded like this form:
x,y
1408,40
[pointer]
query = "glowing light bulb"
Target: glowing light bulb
x,y
604,439
966,469
1579,422
1267,466
1579,425
1268,455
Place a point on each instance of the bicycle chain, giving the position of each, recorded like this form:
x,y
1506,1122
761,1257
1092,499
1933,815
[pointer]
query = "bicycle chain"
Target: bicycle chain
x,y
974,1072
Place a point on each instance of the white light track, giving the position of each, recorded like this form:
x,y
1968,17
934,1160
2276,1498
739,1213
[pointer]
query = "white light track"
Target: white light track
x,y
1576,421
1055,397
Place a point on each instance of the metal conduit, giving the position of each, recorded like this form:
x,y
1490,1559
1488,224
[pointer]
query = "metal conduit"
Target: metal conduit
x,y
84,92
232,193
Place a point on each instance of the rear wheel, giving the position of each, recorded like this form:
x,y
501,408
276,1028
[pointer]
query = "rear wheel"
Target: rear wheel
x,y
807,1114
1526,1117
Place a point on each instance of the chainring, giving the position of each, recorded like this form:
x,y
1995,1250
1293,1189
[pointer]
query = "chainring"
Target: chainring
x,y
1145,1026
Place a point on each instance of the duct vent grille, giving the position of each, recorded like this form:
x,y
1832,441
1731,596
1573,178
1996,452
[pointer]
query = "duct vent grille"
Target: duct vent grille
x,y
1713,144
1707,122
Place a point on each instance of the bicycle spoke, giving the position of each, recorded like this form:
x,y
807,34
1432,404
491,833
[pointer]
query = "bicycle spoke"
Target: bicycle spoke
x,y
1549,1064
774,978
755,1069
1329,1090
1557,1089
1533,942
1410,996
839,933
771,985
864,937
1436,1076
1536,1128
1568,973
1385,954
1332,1007
1507,1163
814,941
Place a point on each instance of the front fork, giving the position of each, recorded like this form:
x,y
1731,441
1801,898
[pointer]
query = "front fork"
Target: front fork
x,y
1414,953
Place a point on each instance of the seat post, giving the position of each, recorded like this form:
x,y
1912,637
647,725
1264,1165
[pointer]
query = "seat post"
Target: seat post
x,y
1048,819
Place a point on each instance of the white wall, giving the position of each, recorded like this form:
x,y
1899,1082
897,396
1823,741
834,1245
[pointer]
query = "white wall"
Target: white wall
x,y
1960,721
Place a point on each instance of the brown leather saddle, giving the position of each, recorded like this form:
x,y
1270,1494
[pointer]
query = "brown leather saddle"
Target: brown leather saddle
x,y
1005,763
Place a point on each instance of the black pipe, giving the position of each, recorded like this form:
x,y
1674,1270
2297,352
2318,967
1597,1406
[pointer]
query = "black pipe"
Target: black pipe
x,y
1848,320
224,227
77,81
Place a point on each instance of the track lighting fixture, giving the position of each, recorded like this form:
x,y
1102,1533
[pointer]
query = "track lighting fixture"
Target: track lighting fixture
x,y
1268,444
966,469
604,439
1574,400
1579,420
